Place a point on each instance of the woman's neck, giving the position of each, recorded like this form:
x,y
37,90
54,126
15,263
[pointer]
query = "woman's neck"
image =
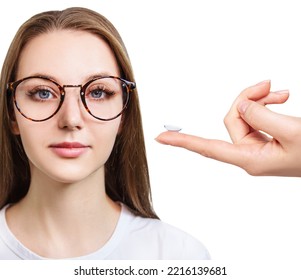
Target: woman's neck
x,y
61,220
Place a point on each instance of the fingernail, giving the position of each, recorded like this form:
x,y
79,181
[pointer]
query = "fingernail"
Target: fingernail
x,y
242,106
263,82
281,92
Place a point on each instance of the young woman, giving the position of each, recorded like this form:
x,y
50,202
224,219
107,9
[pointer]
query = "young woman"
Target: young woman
x,y
74,179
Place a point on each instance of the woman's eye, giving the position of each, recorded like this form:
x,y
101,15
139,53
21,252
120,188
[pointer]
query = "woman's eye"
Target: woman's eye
x,y
44,94
41,94
97,93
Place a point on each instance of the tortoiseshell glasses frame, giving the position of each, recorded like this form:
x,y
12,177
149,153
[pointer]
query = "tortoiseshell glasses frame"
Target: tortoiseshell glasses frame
x,y
126,88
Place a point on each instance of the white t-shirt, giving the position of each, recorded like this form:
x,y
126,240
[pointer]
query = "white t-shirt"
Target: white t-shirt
x,y
134,238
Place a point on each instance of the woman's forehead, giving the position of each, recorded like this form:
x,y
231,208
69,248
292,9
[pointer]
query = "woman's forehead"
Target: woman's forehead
x,y
67,54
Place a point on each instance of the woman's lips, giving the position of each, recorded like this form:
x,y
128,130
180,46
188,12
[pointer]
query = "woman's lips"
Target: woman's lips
x,y
69,149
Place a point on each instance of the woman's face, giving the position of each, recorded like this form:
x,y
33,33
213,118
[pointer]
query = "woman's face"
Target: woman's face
x,y
72,145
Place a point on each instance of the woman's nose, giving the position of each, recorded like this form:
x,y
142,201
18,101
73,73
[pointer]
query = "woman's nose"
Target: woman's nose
x,y
71,113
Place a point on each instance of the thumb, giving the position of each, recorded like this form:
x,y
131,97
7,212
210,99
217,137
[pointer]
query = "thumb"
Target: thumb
x,y
261,118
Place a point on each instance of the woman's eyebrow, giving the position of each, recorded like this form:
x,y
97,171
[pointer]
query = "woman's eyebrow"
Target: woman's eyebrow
x,y
99,75
39,74
85,79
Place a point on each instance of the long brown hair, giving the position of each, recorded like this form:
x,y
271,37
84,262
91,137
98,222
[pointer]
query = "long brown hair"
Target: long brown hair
x,y
126,171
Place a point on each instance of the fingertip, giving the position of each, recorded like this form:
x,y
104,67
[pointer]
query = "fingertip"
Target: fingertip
x,y
257,91
283,94
160,138
166,137
265,82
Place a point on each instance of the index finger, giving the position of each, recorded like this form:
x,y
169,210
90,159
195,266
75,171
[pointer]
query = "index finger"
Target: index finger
x,y
211,148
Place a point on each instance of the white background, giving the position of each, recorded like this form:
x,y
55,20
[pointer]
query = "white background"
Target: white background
x,y
191,59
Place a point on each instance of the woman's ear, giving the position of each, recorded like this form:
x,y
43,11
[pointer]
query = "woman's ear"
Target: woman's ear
x,y
13,122
14,127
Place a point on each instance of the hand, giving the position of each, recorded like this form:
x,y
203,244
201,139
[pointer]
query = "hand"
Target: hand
x,y
275,152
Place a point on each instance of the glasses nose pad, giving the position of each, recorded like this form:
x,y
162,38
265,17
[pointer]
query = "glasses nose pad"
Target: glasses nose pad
x,y
83,99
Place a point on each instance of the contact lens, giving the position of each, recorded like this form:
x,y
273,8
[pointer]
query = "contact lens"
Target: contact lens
x,y
172,128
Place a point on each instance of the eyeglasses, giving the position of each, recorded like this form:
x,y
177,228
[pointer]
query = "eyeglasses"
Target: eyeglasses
x,y
39,98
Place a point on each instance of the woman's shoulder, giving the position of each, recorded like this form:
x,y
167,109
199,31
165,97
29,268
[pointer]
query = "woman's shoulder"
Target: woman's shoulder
x,y
170,241
6,239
